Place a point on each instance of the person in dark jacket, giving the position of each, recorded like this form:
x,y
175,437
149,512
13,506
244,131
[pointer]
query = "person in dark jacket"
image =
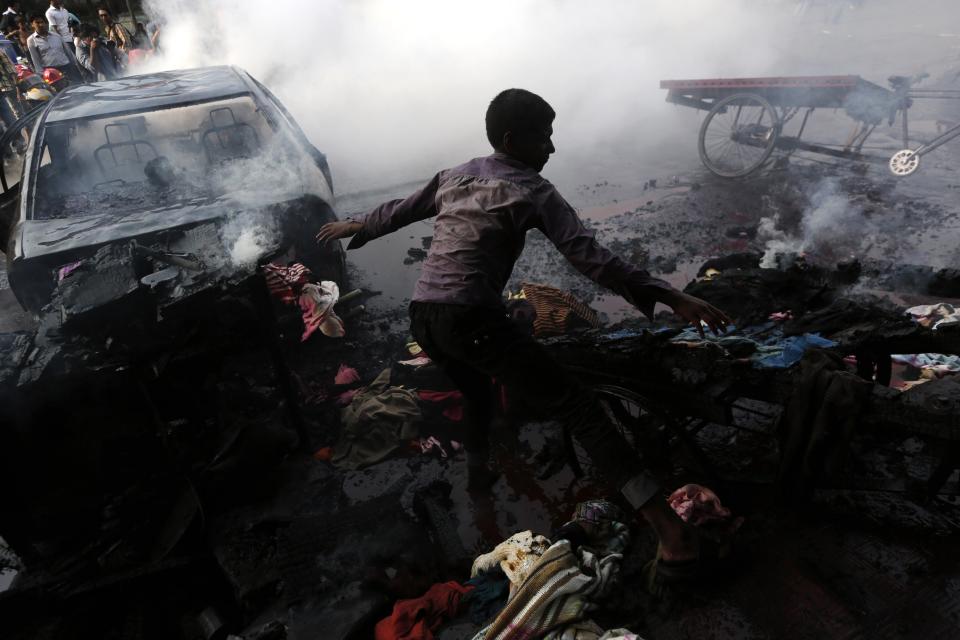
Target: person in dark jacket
x,y
484,209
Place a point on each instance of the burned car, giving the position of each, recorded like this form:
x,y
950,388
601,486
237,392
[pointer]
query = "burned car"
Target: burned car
x,y
157,188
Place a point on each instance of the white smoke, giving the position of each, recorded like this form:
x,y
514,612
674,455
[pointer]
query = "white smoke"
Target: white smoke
x,y
831,228
395,90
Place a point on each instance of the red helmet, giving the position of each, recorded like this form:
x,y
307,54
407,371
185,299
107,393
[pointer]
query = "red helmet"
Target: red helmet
x,y
23,71
52,76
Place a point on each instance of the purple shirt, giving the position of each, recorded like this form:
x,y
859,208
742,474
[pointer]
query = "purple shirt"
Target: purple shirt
x,y
484,209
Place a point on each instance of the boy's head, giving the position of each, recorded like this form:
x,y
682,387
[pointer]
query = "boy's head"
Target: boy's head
x,y
520,123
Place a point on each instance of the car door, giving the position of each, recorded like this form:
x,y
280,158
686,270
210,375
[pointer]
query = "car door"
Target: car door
x,y
13,147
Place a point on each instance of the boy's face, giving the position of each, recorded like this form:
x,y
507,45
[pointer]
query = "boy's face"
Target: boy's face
x,y
533,148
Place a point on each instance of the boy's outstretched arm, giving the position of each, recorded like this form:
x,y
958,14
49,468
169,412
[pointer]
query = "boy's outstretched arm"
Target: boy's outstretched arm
x,y
386,218
563,227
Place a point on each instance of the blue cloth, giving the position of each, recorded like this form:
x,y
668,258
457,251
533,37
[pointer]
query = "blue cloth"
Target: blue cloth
x,y
488,596
773,350
789,351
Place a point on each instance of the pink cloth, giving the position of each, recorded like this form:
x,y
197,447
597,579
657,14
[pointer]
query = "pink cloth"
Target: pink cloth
x,y
698,505
316,303
66,270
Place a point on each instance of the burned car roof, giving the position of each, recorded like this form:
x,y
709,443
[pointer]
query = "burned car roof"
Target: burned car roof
x,y
155,90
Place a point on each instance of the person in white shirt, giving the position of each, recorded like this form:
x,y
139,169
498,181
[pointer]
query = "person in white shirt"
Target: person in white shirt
x,y
59,19
47,49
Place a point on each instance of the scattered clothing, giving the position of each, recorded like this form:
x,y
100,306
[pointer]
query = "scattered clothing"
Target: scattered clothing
x,y
935,316
818,422
285,283
316,303
67,269
698,505
488,596
940,364
419,618
431,443
516,556
789,351
555,596
556,312
452,399
765,344
378,421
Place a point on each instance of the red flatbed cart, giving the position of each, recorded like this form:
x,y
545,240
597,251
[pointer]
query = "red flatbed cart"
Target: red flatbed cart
x,y
747,117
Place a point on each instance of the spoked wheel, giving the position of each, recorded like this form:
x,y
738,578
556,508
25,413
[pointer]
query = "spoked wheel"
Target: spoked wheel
x,y
640,425
738,135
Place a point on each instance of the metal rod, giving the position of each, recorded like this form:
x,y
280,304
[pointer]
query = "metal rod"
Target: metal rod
x,y
939,141
803,125
906,132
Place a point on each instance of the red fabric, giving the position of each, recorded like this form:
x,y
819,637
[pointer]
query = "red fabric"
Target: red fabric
x,y
324,455
418,618
453,400
285,282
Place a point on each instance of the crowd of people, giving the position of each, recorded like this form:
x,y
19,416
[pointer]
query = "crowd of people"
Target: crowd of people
x,y
61,49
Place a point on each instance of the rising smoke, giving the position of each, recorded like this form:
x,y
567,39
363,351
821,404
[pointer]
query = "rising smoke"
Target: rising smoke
x,y
395,90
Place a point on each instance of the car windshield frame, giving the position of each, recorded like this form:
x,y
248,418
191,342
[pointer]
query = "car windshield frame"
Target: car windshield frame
x,y
39,144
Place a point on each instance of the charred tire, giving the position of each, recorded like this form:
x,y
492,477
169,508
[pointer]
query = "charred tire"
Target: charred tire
x,y
738,135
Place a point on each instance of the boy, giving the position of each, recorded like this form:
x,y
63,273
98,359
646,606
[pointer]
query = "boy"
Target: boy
x,y
483,210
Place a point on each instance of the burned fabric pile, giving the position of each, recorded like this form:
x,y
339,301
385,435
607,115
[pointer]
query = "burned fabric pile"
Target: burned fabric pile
x,y
548,311
818,422
294,285
554,587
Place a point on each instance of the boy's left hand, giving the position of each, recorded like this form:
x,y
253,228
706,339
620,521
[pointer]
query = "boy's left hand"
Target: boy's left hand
x,y
698,312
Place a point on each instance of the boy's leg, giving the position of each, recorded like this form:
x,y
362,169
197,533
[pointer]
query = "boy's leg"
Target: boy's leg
x,y
489,343
431,327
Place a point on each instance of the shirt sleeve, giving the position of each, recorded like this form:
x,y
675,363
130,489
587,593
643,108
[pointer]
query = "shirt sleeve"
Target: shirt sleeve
x,y
560,223
396,214
85,58
35,56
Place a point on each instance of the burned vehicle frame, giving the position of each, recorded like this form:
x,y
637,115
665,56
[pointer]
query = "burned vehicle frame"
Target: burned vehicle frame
x,y
134,232
142,163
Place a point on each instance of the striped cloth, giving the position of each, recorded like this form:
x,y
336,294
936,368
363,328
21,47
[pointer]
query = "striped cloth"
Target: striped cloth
x,y
555,598
557,312
285,283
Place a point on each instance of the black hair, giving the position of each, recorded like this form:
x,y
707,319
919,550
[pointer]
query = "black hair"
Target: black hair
x,y
518,111
36,17
104,7
89,30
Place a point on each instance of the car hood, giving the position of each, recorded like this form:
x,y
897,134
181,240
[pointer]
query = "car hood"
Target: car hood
x,y
41,238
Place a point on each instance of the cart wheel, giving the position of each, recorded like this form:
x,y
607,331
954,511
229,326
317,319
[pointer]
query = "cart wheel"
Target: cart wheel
x,y
738,135
903,163
631,415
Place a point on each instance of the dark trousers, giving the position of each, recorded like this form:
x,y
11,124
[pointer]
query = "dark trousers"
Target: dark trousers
x,y
471,345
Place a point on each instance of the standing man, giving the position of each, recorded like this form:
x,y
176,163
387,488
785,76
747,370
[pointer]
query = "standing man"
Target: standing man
x,y
7,20
59,19
49,50
484,209
115,31
95,56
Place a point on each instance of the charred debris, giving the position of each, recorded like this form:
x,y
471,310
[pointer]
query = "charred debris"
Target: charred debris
x,y
173,447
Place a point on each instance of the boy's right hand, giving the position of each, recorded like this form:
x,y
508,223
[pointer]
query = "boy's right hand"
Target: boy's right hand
x,y
337,230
